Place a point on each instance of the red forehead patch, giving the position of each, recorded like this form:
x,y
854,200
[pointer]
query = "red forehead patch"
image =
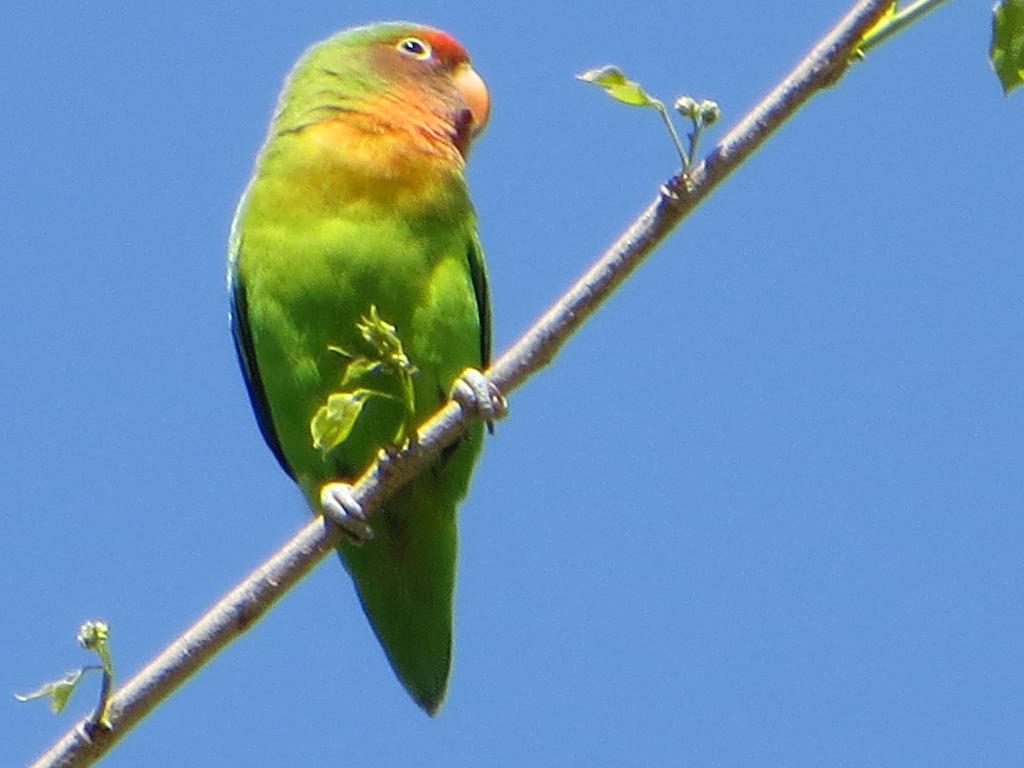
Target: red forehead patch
x,y
446,47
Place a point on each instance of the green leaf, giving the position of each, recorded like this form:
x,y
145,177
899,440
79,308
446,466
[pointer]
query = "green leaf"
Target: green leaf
x,y
618,86
1006,51
333,422
359,367
58,691
61,693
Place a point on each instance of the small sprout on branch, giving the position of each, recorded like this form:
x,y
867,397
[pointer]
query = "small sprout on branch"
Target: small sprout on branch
x,y
1006,51
705,112
621,88
336,418
383,337
92,636
702,114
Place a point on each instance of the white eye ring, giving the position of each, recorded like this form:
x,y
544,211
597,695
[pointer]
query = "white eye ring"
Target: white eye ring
x,y
414,47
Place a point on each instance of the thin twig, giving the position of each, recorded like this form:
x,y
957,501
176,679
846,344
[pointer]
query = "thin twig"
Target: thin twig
x,y
254,595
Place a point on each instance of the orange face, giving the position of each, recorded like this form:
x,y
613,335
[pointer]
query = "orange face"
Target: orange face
x,y
450,53
431,57
409,120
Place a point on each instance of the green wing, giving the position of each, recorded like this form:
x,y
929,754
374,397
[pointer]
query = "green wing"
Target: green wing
x,y
241,334
478,274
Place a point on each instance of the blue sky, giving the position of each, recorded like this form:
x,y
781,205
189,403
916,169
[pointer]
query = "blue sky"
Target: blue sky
x,y
765,509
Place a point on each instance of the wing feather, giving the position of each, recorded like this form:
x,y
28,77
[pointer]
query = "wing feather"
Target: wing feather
x,y
242,335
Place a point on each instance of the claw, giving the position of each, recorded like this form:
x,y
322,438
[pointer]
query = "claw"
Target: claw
x,y
339,505
477,393
388,453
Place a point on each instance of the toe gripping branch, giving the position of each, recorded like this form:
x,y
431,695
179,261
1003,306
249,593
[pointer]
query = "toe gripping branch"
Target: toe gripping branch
x,y
477,394
340,507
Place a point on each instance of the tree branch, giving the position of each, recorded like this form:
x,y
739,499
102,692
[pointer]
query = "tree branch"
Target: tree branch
x,y
254,595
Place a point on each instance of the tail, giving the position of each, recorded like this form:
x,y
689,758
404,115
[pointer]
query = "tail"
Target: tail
x,y
405,579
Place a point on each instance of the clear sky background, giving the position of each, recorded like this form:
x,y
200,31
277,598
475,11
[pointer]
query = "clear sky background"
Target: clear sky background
x,y
765,509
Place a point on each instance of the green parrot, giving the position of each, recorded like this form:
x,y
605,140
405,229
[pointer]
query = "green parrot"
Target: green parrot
x,y
358,206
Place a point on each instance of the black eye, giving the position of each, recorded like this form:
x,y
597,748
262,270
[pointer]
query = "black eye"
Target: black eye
x,y
413,46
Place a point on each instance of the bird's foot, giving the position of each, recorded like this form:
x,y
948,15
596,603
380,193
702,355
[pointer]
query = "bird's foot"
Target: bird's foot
x,y
387,454
478,394
339,505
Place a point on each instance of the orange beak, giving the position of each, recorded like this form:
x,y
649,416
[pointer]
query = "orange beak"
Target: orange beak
x,y
474,93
